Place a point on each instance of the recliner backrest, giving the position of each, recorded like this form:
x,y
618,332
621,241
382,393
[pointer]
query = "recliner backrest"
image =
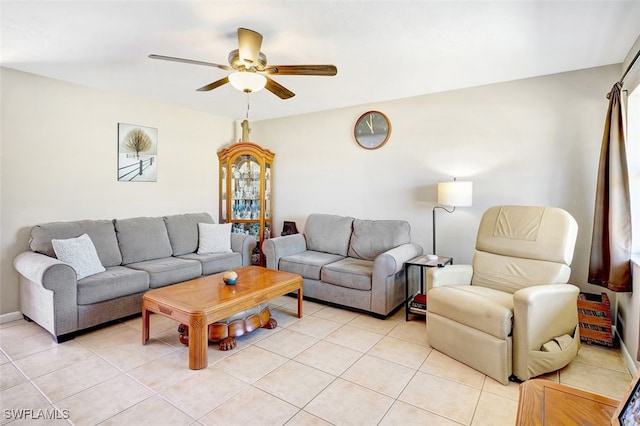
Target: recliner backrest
x,y
520,246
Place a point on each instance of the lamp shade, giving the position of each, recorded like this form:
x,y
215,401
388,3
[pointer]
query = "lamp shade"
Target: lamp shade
x,y
456,193
247,81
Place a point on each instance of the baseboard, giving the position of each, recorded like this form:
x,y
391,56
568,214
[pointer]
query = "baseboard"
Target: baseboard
x,y
626,356
11,316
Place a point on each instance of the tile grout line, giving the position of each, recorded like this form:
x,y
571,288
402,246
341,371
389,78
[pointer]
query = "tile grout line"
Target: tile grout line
x,y
126,373
30,381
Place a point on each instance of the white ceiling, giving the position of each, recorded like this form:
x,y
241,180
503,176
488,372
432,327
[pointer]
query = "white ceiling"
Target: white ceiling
x,y
383,49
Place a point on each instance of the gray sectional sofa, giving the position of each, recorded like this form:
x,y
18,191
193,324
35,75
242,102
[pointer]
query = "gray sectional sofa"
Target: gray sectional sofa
x,y
348,262
135,254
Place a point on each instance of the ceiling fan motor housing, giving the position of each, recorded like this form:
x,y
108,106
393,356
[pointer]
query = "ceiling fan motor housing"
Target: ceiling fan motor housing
x,y
239,64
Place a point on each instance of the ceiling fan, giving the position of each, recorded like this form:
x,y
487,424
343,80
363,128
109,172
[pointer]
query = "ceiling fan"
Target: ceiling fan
x,y
250,70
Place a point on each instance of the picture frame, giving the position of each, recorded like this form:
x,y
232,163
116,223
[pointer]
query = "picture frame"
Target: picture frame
x,y
137,153
628,412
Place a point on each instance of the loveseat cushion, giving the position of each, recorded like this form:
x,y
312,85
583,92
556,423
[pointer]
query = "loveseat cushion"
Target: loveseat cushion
x,y
168,270
308,263
350,273
216,262
328,233
142,238
115,282
373,237
183,231
101,232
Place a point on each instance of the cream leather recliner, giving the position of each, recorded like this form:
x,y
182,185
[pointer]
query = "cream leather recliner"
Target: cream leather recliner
x,y
511,312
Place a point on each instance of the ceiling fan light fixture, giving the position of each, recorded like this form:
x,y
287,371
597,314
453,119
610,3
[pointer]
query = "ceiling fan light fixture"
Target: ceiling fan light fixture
x,y
247,82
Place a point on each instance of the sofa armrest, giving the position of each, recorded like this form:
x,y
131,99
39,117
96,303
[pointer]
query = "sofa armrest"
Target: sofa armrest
x,y
387,282
392,261
49,273
243,244
449,275
48,292
542,313
275,248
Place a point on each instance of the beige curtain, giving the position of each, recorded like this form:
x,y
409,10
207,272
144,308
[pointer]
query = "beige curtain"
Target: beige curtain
x,y
609,265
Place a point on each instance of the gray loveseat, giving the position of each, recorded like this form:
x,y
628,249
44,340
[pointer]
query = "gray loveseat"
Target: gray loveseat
x,y
349,262
137,254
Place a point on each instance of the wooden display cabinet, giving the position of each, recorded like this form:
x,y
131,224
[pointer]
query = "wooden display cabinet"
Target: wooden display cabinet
x,y
245,192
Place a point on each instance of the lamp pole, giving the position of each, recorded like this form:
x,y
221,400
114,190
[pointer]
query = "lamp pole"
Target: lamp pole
x,y
433,221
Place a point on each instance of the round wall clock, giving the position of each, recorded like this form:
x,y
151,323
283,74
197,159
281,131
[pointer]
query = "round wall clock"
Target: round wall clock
x,y
372,130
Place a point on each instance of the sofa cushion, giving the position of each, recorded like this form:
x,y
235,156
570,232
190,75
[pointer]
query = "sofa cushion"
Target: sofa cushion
x,y
373,237
183,231
214,238
101,232
350,273
80,253
142,238
308,263
215,262
115,282
328,233
168,270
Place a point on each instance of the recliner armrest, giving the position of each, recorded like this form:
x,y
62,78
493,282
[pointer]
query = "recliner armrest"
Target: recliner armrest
x,y
449,275
275,248
543,312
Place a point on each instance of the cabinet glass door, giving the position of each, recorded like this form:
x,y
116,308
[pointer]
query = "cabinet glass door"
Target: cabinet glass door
x,y
245,191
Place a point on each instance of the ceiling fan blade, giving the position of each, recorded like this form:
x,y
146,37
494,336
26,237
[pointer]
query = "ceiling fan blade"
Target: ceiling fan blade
x,y
190,61
249,44
329,70
213,85
278,89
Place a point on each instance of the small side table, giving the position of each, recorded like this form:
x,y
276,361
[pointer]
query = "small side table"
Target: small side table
x,y
422,262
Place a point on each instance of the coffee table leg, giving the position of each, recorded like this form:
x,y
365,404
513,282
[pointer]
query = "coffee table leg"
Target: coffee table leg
x,y
198,344
145,325
300,302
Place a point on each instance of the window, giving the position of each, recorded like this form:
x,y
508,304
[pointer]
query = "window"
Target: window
x,y
633,158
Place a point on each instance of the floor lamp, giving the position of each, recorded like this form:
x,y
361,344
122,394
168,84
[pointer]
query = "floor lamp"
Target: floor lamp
x,y
455,193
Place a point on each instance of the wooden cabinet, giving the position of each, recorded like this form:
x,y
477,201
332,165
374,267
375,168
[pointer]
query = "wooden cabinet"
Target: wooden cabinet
x,y
245,192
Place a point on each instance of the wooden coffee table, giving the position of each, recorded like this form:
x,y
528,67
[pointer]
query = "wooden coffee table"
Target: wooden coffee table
x,y
205,300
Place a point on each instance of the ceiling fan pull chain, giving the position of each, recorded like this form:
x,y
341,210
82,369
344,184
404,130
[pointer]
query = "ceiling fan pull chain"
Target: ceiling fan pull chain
x,y
247,117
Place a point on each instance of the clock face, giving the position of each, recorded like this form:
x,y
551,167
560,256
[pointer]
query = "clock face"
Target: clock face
x,y
372,130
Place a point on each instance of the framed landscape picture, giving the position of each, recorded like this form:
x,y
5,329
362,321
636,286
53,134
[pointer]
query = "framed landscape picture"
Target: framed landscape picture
x,y
137,153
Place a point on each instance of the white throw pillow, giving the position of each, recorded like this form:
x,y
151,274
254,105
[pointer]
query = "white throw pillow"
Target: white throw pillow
x,y
214,238
80,253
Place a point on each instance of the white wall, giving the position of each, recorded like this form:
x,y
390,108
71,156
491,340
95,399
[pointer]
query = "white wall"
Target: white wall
x,y
533,141
59,161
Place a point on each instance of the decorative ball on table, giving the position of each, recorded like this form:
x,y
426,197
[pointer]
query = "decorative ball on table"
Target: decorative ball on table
x,y
230,277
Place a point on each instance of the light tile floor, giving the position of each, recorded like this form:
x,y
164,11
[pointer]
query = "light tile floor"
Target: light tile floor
x,y
333,366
